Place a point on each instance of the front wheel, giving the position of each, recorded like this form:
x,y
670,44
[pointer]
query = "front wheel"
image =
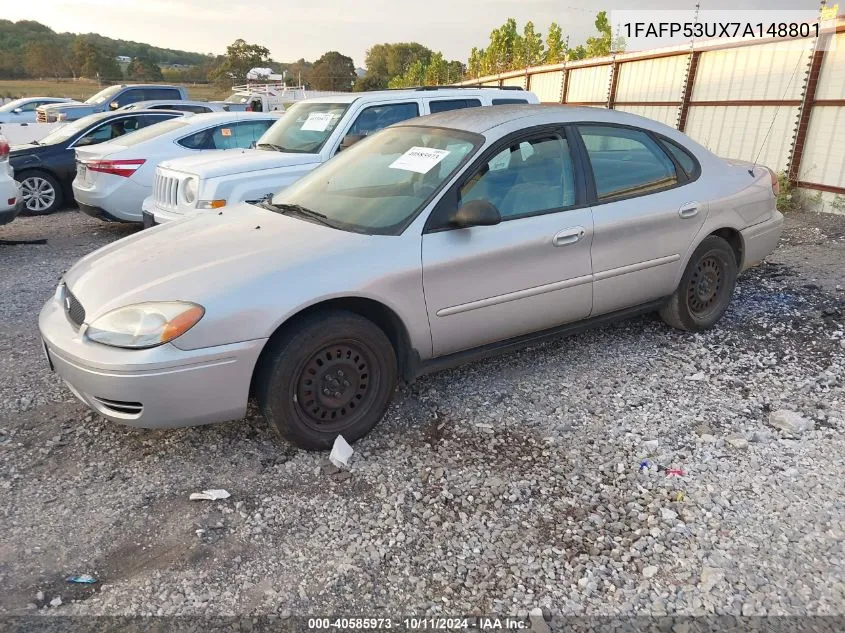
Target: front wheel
x,y
41,193
330,374
706,287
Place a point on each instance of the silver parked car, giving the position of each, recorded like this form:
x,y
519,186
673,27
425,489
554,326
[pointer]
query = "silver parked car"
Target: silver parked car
x,y
432,242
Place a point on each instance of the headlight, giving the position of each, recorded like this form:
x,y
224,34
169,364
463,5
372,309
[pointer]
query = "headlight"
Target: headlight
x,y
189,190
145,325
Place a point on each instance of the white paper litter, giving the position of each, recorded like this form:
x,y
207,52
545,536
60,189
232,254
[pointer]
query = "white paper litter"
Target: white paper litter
x,y
419,159
341,452
317,122
209,495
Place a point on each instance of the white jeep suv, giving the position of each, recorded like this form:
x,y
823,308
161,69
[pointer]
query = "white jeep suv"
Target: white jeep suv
x,y
308,134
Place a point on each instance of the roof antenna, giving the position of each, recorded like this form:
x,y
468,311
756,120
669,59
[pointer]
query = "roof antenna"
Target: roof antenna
x,y
786,90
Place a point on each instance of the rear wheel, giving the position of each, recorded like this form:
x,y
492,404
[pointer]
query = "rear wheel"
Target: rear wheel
x,y
332,374
706,288
41,193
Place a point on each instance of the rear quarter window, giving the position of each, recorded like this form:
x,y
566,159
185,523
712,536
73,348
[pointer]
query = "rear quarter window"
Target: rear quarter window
x,y
505,101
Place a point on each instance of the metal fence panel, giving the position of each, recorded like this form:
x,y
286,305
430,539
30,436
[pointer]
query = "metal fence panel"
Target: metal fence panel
x,y
824,153
589,85
739,131
659,79
763,72
547,86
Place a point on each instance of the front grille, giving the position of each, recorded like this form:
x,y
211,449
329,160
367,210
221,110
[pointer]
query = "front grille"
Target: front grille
x,y
120,406
74,309
165,190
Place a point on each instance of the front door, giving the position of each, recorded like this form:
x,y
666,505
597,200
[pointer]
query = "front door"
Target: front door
x,y
528,273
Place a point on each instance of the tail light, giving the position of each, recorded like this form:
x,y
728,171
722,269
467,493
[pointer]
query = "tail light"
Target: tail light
x,y
4,149
775,183
123,168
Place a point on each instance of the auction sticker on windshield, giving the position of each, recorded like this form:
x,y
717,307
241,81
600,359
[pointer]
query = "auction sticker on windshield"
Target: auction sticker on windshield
x,y
317,122
419,159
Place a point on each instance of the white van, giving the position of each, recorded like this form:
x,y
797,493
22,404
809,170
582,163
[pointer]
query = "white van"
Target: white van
x,y
308,134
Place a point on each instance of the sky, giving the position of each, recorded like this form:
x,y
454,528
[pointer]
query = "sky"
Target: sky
x,y
293,29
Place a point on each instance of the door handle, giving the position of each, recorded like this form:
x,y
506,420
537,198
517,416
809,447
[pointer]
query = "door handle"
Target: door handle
x,y
688,210
568,236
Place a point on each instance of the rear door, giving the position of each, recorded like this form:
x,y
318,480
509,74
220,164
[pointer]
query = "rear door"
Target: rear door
x,y
528,273
647,211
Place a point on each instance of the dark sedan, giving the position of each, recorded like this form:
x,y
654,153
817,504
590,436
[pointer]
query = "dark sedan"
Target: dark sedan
x,y
46,168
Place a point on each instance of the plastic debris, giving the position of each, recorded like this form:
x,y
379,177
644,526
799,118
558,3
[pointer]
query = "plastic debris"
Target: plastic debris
x,y
644,465
81,579
341,452
675,472
209,495
680,496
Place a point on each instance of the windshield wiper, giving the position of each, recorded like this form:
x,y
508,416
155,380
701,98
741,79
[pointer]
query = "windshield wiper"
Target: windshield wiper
x,y
278,148
297,209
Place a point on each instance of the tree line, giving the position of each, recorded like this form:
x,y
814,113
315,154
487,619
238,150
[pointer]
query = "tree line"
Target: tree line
x,y
30,49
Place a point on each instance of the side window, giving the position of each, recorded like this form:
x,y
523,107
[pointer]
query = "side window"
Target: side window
x,y
152,119
626,162
685,160
374,118
529,177
445,105
110,130
163,93
30,107
227,136
505,101
130,96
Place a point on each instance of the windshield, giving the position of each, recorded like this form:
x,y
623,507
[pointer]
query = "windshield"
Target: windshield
x,y
378,185
67,130
303,128
238,97
104,95
12,105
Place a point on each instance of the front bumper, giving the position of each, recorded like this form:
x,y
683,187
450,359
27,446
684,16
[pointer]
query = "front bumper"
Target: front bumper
x,y
161,387
760,240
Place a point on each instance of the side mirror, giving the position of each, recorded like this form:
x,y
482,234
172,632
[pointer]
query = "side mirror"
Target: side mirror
x,y
114,105
476,213
350,139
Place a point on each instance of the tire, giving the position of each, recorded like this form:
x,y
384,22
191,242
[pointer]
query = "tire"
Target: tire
x,y
330,374
706,287
41,193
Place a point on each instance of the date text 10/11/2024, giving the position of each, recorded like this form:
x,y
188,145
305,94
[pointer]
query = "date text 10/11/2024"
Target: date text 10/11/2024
x,y
486,623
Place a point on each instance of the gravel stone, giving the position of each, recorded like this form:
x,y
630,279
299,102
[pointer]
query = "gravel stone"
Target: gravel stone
x,y
508,485
790,421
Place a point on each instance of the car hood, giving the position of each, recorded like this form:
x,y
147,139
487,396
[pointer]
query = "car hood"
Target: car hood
x,y
236,161
28,149
67,105
205,259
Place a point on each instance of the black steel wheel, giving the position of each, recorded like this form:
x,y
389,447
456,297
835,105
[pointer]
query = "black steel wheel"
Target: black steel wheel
x,y
328,374
706,287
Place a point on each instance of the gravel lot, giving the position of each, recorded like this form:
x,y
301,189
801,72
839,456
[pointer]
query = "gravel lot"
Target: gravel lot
x,y
536,479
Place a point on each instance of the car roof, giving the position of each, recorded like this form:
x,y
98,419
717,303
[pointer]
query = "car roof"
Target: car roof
x,y
211,118
480,120
173,101
455,93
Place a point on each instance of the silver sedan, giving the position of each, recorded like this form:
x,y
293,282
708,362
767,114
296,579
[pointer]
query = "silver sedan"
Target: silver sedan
x,y
430,243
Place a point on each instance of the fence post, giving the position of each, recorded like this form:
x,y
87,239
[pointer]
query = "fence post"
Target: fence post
x,y
614,80
689,84
564,89
811,81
